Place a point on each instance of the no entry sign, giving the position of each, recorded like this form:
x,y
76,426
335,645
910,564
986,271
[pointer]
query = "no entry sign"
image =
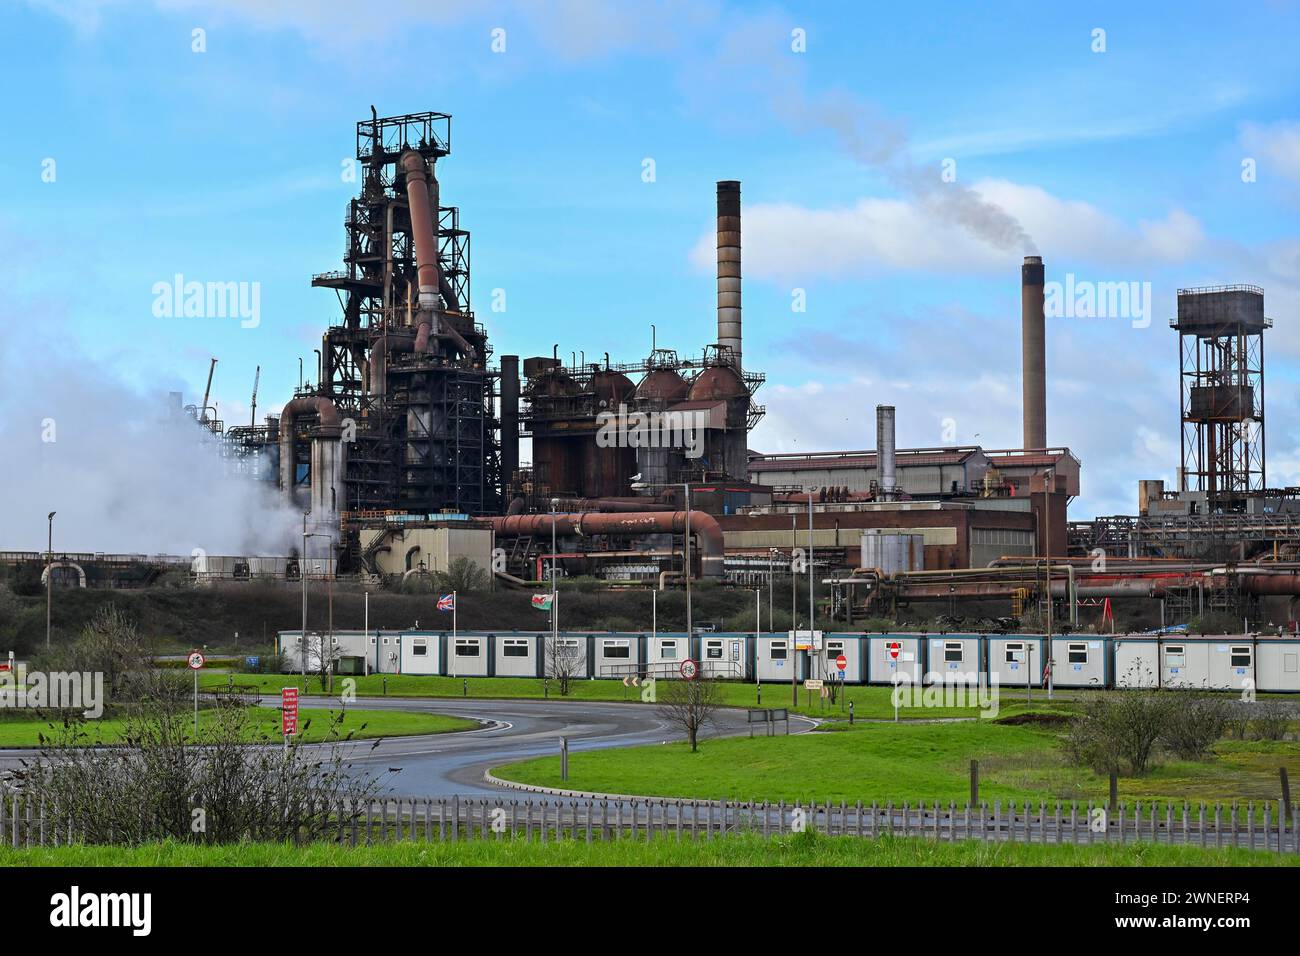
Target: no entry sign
x,y
894,648
842,662
289,711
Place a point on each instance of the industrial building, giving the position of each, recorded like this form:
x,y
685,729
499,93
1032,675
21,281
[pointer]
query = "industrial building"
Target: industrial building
x,y
406,450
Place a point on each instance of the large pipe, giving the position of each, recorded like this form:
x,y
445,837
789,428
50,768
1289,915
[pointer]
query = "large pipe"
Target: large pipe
x,y
704,527
326,458
729,267
509,418
1033,353
424,230
885,447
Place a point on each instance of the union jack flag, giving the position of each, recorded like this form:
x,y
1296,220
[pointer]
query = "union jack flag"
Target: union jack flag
x,y
447,602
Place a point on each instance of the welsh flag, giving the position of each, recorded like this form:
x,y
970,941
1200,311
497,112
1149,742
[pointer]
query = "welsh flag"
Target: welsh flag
x,y
542,601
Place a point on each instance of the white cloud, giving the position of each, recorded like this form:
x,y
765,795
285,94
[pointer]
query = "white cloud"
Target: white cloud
x,y
785,241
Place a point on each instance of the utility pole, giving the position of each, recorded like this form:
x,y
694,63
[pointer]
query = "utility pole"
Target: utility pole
x,y
302,564
49,581
794,612
1050,475
555,604
812,610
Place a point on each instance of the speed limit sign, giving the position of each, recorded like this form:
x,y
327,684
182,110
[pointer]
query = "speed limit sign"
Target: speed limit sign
x,y
690,670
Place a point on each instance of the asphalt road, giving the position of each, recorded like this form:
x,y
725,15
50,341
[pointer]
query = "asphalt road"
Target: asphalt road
x,y
446,764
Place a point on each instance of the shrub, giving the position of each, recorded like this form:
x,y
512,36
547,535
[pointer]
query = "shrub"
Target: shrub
x,y
1270,719
1120,731
1194,726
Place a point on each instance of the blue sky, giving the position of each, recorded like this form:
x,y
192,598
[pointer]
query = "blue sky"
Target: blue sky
x,y
1122,164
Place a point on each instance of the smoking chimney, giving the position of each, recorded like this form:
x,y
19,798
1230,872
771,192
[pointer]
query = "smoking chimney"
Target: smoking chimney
x,y
729,267
885,467
1033,357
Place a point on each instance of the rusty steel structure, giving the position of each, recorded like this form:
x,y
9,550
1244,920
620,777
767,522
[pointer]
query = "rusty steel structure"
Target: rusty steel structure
x,y
407,367
1221,369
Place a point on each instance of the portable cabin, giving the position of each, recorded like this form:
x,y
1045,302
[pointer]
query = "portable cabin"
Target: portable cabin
x,y
954,658
470,655
1277,664
1135,661
1080,660
850,647
726,656
570,654
776,658
421,652
891,654
1014,660
518,655
616,655
665,653
1230,662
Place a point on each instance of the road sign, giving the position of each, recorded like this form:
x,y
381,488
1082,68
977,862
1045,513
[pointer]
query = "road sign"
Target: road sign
x,y
842,663
690,670
289,711
195,660
894,648
811,684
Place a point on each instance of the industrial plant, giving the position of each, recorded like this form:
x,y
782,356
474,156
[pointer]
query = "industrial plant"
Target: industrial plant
x,y
404,453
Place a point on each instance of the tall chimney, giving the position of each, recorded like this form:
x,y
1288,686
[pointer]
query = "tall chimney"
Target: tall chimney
x,y
885,467
729,267
1033,355
509,420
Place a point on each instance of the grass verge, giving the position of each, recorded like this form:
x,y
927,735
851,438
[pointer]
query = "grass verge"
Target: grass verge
x,y
741,850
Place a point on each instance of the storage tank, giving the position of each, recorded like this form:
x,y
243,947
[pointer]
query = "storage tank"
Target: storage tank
x,y
893,551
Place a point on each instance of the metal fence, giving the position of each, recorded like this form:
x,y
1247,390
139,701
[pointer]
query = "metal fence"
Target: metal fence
x,y
24,821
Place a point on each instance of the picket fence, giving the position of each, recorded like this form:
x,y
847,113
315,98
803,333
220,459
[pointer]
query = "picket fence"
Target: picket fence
x,y
25,822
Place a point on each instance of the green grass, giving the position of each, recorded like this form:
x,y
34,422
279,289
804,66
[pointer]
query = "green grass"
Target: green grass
x,y
741,850
868,702
899,762
264,722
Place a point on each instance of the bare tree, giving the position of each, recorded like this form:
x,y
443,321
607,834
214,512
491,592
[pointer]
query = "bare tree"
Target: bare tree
x,y
566,661
689,704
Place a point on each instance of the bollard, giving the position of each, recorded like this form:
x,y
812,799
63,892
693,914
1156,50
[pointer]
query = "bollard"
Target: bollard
x,y
546,690
850,712
760,695
465,689
385,680
564,758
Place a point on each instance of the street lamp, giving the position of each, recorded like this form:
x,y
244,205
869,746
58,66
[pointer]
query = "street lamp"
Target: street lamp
x,y
49,580
555,605
302,572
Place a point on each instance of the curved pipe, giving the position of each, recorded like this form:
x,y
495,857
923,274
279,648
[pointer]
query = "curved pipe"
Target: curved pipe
x,y
703,525
425,235
331,429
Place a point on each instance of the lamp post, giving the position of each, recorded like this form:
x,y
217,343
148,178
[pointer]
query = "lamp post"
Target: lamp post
x,y
1050,476
302,649
49,580
555,604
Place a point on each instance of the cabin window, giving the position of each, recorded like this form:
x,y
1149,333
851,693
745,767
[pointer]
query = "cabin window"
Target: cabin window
x,y
617,649
1078,653
1240,656
467,648
668,649
1175,656
714,650
420,647
954,652
515,647
778,650
1015,653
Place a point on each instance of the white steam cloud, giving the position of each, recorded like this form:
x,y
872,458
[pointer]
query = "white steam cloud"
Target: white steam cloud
x,y
124,473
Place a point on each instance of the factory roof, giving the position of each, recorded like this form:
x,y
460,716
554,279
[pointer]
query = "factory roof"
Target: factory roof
x,y
906,458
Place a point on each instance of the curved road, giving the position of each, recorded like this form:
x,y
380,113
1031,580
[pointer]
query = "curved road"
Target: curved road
x,y
446,764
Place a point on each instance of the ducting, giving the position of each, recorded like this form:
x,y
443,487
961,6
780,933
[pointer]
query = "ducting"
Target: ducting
x,y
326,468
729,269
704,527
1033,353
885,451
